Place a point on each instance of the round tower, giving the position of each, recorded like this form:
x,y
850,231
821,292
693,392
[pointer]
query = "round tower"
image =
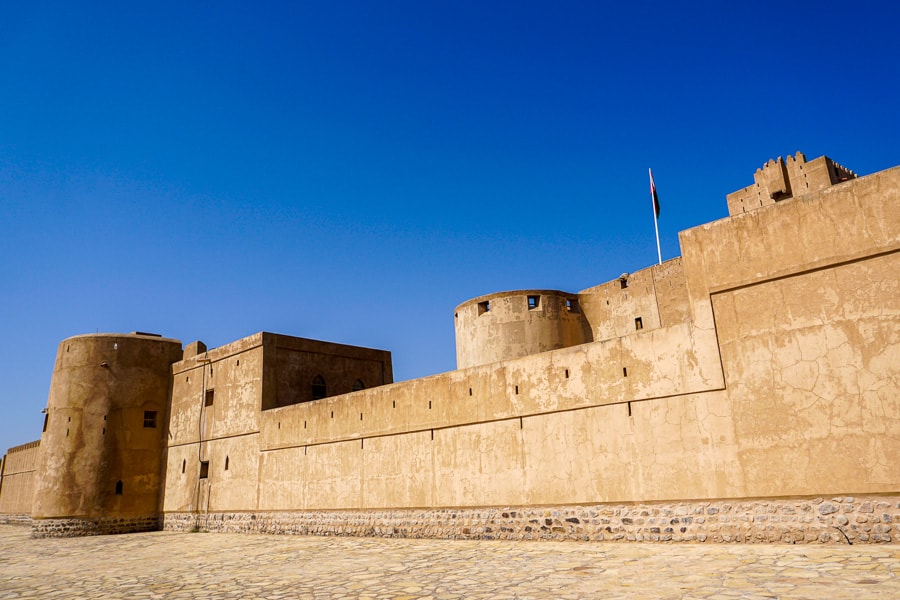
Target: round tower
x,y
102,444
508,325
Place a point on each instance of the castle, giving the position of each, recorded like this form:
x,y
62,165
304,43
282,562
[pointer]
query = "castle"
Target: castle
x,y
746,391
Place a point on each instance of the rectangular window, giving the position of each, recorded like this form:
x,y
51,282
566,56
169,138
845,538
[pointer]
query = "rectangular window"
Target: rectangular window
x,y
572,305
46,419
533,302
210,396
638,323
204,469
484,307
150,419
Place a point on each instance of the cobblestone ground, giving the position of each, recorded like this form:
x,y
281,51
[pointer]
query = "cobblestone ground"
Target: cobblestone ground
x,y
221,566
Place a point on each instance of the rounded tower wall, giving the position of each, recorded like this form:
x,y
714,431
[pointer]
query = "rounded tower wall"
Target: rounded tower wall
x,y
508,325
102,445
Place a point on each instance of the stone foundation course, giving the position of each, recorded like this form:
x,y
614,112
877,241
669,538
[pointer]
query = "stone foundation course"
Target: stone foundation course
x,y
833,520
11,519
46,528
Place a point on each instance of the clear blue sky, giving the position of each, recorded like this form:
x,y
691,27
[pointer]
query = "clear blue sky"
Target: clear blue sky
x,y
351,171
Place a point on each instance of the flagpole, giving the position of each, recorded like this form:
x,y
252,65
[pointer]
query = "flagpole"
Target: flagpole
x,y
654,204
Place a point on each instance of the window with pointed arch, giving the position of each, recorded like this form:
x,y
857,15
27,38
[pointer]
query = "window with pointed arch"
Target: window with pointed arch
x,y
318,387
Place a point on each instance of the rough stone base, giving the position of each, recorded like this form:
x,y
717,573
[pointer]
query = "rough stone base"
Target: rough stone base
x,y
44,528
24,520
835,520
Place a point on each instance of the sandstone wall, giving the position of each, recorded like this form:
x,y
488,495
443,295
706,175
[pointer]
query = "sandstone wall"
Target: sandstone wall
x,y
769,371
17,488
508,325
101,450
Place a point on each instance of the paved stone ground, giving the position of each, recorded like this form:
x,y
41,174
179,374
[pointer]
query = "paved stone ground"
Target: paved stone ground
x,y
219,566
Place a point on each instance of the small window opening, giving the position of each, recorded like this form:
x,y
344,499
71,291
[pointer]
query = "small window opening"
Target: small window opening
x,y
623,281
46,420
226,463
358,385
360,416
70,420
210,370
534,302
362,443
572,305
67,432
104,417
204,469
429,405
624,371
517,390
567,373
470,391
629,409
332,414
210,398
183,464
318,388
187,378
638,323
432,435
119,488
484,307
393,404
304,424
237,363
521,423
150,419
103,432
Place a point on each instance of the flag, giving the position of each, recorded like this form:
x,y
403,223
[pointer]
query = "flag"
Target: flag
x,y
653,194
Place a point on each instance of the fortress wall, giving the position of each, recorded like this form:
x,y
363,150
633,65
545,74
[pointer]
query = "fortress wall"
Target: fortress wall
x,y
656,295
811,364
650,364
100,458
17,484
846,222
772,415
508,325
293,363
234,373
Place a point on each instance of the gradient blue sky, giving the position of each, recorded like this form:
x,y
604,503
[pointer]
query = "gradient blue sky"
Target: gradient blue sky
x,y
351,171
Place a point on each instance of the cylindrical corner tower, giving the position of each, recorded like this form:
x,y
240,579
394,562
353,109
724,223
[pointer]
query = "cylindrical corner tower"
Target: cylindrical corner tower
x,y
102,445
513,324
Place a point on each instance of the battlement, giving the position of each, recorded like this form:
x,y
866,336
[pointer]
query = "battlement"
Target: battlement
x,y
779,180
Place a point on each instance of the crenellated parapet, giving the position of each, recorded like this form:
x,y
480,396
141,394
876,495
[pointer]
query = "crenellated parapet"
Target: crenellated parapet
x,y
780,179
